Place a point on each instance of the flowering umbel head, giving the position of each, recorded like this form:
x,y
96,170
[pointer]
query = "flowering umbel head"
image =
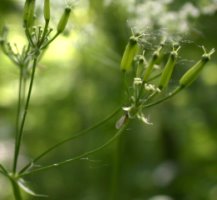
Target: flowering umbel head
x,y
144,89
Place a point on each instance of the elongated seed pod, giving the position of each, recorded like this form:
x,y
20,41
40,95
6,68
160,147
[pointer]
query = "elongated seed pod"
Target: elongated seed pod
x,y
129,53
63,20
28,16
194,71
47,10
168,70
151,64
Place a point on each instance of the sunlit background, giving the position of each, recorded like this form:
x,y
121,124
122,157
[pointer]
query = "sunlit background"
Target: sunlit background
x,y
78,82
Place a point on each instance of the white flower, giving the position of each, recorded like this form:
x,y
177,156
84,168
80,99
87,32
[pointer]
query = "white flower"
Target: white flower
x,y
137,81
151,87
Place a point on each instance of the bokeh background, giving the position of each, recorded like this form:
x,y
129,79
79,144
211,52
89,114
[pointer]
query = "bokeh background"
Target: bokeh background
x,y
78,83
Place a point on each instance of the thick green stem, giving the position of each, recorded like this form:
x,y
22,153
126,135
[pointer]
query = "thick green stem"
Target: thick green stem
x,y
14,183
118,133
16,189
80,133
20,133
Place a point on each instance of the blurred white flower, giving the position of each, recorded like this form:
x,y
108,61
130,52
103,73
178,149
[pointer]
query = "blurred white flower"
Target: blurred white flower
x,y
164,173
151,13
160,197
189,10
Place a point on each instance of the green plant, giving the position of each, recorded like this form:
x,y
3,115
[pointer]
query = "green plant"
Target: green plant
x,y
144,89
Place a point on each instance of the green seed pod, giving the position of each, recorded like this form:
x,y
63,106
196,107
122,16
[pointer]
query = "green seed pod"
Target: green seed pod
x,y
64,20
129,53
28,16
168,70
151,64
194,71
47,10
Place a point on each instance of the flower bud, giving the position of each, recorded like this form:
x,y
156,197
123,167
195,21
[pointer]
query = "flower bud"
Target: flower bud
x,y
28,15
129,53
194,71
64,20
151,64
47,10
168,70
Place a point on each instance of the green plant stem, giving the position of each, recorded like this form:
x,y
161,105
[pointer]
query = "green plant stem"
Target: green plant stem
x,y
171,94
14,183
3,170
44,33
113,138
51,40
19,102
16,189
28,35
19,105
154,77
142,87
78,134
140,93
115,170
152,95
20,133
125,85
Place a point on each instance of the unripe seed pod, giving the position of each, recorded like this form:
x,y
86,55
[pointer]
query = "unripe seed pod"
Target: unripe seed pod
x,y
29,10
194,71
168,70
47,10
151,64
64,20
129,53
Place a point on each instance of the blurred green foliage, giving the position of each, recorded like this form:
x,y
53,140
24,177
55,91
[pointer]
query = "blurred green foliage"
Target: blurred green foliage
x,y
175,157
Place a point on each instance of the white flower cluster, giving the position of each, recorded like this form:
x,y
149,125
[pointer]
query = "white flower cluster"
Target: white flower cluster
x,y
155,12
151,13
152,88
